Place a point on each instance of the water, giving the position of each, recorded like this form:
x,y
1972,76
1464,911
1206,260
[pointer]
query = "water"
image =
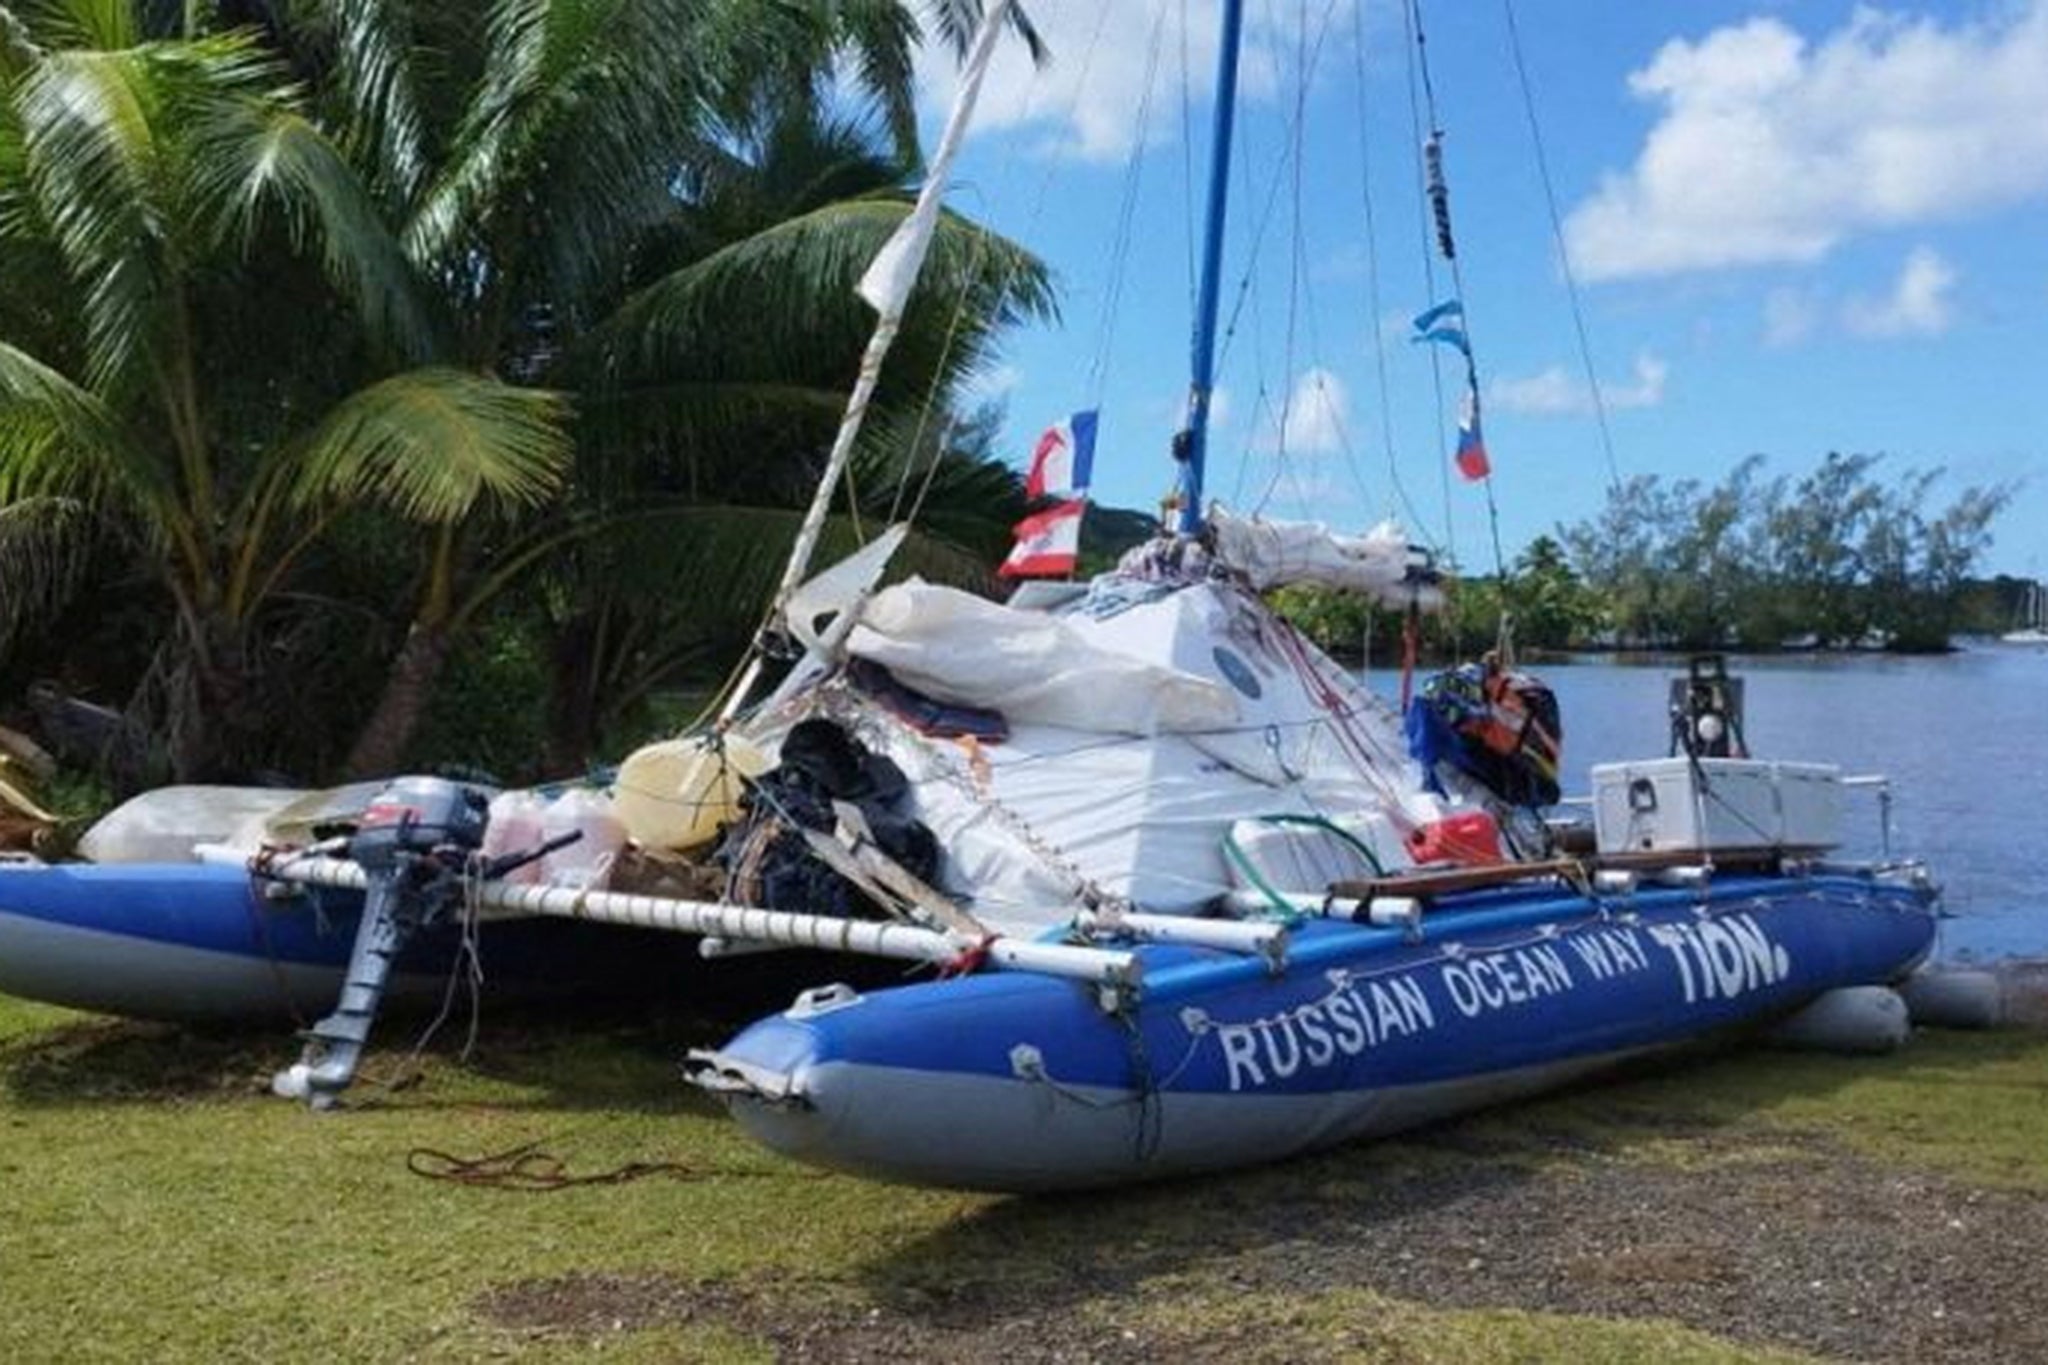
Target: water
x,y
1963,737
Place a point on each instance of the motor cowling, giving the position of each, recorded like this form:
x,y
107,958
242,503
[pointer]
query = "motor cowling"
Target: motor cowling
x,y
418,815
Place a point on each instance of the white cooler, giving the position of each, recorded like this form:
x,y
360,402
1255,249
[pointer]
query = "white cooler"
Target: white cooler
x,y
1658,804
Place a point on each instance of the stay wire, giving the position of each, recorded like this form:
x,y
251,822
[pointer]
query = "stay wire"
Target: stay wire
x,y
1471,365
1295,155
984,244
1268,211
1564,257
1120,247
1287,173
1376,306
1416,125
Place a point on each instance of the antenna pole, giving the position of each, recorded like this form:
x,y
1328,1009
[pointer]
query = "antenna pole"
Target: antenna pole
x,y
1192,448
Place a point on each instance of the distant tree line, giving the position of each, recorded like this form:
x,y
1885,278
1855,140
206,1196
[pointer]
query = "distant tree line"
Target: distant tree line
x,y
1838,557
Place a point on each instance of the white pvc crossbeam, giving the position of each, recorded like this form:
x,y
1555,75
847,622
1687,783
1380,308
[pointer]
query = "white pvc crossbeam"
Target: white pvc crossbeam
x,y
1230,935
740,922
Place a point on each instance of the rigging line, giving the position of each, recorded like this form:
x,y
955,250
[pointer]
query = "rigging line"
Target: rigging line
x,y
1261,412
1339,425
1120,248
1564,257
1296,149
1458,285
954,324
1436,367
1308,60
1037,212
1271,207
1187,157
1005,169
1375,304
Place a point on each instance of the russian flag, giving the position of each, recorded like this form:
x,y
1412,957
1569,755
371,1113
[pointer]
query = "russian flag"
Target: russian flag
x,y
1063,463
1472,461
1048,543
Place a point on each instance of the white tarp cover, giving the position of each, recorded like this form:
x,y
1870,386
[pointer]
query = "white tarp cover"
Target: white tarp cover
x,y
161,826
1029,823
1272,554
1034,668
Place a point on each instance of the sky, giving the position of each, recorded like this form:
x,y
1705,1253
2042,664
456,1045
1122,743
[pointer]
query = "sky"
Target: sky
x,y
1793,227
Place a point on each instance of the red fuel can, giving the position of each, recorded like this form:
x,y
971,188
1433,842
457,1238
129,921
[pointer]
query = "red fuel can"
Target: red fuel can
x,y
1467,839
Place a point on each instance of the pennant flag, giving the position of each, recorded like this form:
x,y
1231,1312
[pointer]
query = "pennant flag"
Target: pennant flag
x,y
1063,463
1444,323
887,282
1048,544
1472,461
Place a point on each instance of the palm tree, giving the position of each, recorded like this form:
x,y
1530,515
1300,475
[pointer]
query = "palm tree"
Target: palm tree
x,y
170,210
657,204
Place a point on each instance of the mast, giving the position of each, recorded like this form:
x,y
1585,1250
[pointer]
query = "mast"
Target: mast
x,y
886,287
1192,447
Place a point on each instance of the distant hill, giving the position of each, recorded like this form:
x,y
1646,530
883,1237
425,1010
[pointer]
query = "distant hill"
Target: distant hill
x,y
1106,532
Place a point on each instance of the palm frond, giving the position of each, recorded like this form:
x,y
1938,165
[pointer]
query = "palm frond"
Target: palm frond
x,y
92,155
94,25
565,138
57,439
699,578
374,71
256,155
19,49
880,36
794,281
955,22
705,439
435,445
45,551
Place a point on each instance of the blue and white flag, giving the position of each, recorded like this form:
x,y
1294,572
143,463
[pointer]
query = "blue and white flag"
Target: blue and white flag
x,y
1063,463
1444,323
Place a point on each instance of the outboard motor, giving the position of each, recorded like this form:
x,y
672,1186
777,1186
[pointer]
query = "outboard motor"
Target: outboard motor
x,y
1706,710
415,843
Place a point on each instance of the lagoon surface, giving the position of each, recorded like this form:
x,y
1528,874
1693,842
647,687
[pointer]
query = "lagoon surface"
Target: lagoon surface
x,y
1963,736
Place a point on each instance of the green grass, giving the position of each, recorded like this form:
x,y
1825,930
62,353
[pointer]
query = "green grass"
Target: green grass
x,y
155,1203
1357,1324
1972,1106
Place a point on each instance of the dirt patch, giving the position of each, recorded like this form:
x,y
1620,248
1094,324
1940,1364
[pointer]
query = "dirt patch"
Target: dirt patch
x,y
1812,1249
1820,1250
803,1322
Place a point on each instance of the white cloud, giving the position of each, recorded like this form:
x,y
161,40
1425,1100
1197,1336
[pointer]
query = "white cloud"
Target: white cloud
x,y
994,382
1790,316
1771,149
1088,99
1555,392
1314,421
1917,306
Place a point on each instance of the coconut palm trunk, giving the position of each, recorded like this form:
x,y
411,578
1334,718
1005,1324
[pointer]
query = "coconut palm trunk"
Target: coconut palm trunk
x,y
381,744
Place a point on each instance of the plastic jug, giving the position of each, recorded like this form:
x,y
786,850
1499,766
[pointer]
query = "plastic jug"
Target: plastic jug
x,y
586,863
517,823
676,794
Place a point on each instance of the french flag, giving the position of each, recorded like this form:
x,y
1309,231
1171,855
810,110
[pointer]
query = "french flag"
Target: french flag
x,y
1048,542
1471,458
1063,463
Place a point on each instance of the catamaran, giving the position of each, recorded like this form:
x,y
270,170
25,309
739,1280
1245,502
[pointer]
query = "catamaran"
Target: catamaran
x,y
1194,896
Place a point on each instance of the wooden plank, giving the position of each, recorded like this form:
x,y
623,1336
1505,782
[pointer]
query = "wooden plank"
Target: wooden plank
x,y
1425,885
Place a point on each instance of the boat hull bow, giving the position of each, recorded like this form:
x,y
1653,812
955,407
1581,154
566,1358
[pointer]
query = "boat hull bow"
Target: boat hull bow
x,y
1015,1083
